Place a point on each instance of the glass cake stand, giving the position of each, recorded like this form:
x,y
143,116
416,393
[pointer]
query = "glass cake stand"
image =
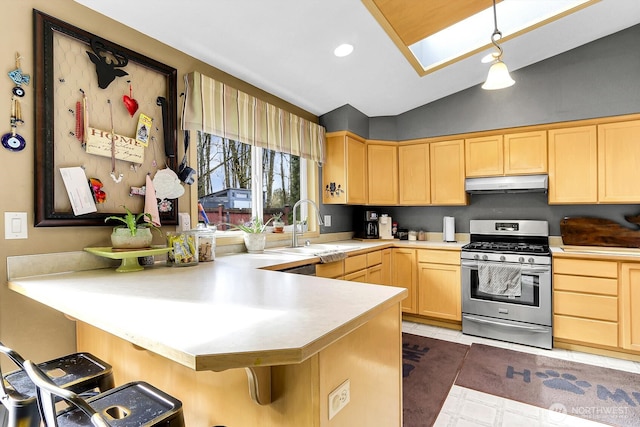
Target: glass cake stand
x,y
129,257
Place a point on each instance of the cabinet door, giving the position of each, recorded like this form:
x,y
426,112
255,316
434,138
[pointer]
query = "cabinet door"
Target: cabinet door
x,y
331,270
447,173
619,162
484,156
439,293
356,172
414,180
525,153
382,171
404,272
374,275
573,165
386,267
334,174
630,306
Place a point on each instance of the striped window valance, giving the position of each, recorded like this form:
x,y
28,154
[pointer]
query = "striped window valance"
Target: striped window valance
x,y
215,108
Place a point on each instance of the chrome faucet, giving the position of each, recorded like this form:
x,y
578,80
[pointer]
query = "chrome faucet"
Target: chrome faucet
x,y
294,234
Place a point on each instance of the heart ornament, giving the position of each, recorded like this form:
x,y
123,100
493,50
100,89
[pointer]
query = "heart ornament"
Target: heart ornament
x,y
131,104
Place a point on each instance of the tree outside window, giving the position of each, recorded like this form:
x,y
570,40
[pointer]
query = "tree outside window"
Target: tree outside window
x,y
236,180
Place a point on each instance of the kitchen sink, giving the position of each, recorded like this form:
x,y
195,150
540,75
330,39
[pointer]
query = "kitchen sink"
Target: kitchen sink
x,y
314,249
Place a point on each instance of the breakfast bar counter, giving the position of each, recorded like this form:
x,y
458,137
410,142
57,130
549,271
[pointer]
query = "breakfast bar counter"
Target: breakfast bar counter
x,y
197,332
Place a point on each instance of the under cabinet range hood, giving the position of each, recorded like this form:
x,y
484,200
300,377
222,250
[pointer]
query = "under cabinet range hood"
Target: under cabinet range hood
x,y
507,184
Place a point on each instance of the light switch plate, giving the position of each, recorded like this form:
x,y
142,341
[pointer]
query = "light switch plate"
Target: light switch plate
x,y
327,220
184,222
15,225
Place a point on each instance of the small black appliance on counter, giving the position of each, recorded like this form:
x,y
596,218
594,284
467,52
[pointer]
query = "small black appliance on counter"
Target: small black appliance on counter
x,y
371,225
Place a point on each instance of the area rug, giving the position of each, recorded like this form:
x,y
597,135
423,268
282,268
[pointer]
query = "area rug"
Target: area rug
x,y
590,392
429,368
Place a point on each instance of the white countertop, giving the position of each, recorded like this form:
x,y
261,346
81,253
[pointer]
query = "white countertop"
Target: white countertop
x,y
217,315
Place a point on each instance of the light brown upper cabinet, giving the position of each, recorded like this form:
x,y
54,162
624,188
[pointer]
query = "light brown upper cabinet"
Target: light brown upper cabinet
x,y
344,174
523,153
447,173
484,156
619,162
573,165
595,164
382,172
414,179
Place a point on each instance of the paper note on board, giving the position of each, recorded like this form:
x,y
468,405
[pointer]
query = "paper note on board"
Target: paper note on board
x,y
75,181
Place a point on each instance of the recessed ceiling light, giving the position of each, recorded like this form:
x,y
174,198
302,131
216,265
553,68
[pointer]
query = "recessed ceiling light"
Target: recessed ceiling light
x,y
343,50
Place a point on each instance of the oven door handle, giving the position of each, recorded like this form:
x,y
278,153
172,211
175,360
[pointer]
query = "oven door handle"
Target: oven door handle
x,y
536,270
506,325
526,268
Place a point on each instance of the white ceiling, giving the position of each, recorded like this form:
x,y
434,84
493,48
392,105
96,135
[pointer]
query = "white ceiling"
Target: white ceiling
x,y
285,47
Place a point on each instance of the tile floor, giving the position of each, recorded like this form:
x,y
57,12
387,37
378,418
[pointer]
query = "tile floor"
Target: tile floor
x,y
465,407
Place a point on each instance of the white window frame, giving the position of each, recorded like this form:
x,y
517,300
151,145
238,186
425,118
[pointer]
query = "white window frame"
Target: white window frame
x,y
308,190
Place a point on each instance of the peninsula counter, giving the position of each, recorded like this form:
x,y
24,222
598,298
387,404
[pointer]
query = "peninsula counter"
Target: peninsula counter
x,y
199,332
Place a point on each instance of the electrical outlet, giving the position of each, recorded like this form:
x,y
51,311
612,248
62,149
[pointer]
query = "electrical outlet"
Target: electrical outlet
x,y
339,398
327,220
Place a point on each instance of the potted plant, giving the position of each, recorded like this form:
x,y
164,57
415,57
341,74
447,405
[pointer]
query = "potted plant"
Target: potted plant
x,y
278,223
132,233
255,237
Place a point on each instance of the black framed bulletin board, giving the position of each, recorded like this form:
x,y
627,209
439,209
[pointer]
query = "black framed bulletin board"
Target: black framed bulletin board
x,y
102,109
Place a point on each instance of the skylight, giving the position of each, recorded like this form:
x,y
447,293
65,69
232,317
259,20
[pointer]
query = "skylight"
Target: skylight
x,y
474,33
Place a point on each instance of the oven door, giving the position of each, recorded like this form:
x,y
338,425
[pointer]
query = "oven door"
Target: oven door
x,y
533,306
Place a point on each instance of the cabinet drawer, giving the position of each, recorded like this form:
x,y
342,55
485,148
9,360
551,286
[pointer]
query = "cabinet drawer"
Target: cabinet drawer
x,y
583,267
590,285
331,269
358,276
438,257
374,258
355,263
585,330
585,305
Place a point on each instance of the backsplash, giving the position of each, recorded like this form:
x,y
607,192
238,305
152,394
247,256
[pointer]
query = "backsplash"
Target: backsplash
x,y
492,206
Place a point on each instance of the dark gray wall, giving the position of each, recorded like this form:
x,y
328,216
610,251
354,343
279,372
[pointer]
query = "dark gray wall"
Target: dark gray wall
x,y
598,79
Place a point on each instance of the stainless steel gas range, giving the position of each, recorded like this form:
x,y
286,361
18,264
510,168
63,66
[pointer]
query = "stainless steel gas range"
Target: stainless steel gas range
x,y
506,282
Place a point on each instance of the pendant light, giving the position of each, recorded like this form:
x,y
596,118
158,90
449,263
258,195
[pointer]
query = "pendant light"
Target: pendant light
x,y
498,77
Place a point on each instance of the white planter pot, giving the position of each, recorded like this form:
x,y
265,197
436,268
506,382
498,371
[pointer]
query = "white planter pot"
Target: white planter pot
x,y
255,242
121,238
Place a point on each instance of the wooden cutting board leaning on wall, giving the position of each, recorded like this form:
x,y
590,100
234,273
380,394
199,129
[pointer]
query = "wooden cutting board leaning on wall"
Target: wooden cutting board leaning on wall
x,y
585,231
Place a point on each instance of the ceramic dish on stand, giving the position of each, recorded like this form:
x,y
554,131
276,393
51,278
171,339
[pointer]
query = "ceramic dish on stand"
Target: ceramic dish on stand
x,y
129,258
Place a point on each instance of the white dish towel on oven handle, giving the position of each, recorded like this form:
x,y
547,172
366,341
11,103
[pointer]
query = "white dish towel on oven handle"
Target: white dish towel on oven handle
x,y
500,279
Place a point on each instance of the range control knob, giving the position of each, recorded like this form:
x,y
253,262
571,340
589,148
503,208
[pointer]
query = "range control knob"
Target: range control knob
x,y
484,257
476,257
502,258
521,259
531,260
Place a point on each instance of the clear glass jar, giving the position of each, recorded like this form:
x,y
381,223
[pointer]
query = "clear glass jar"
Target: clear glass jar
x,y
185,248
206,242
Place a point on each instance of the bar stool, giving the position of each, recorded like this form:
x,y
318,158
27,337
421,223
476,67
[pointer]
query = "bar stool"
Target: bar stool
x,y
133,404
79,372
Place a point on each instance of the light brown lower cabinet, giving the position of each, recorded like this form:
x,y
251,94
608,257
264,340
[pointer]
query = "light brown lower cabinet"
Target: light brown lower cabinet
x,y
585,302
404,275
331,270
373,267
439,284
630,306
